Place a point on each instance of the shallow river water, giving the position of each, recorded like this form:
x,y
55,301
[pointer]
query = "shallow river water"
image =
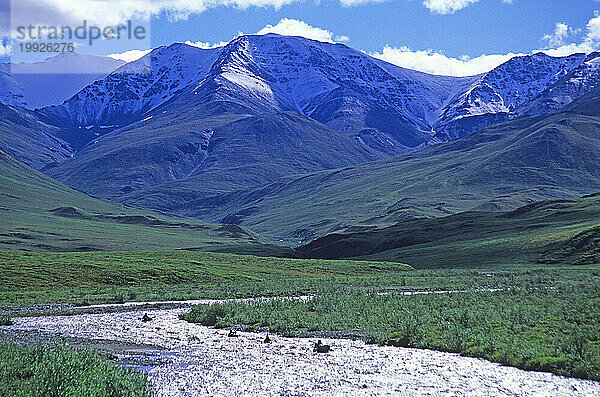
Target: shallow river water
x,y
192,360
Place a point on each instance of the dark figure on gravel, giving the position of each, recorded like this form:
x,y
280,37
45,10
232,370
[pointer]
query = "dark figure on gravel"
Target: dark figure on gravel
x,y
321,348
232,333
267,339
146,318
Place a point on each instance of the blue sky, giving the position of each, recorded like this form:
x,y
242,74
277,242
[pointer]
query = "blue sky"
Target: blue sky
x,y
490,26
438,36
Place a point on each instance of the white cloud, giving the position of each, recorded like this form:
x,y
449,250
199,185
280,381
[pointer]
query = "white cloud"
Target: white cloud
x,y
593,28
206,45
294,27
447,6
285,27
569,49
129,56
590,42
558,37
429,61
433,62
112,12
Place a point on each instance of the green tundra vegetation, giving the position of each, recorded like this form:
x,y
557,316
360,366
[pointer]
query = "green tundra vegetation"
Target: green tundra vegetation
x,y
41,214
536,321
94,277
540,318
59,370
517,287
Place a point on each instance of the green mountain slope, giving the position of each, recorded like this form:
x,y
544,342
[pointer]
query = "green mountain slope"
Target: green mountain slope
x,y
39,213
162,161
499,168
29,140
547,232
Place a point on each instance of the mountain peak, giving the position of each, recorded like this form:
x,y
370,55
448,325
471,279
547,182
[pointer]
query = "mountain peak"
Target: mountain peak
x,y
69,63
343,88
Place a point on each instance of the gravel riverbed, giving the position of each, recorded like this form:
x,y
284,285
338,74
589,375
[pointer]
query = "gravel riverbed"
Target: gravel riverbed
x,y
192,360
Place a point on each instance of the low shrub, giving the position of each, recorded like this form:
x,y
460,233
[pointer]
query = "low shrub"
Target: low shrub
x,y
59,370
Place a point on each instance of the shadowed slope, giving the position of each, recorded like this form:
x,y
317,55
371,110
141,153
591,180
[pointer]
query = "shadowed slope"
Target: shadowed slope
x,y
160,163
551,232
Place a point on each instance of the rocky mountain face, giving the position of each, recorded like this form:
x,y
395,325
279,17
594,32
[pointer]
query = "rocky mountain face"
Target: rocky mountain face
x,y
134,89
572,85
503,93
391,109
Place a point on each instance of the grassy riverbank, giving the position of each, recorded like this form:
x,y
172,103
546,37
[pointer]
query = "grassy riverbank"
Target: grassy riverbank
x,y
91,277
544,318
58,370
546,328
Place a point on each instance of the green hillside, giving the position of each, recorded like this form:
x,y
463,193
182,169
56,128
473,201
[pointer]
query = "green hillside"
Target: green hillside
x,y
166,161
41,214
563,232
499,168
26,138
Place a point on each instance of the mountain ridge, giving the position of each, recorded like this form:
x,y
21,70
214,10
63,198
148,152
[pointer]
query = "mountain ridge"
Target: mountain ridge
x,y
499,168
393,109
546,232
241,133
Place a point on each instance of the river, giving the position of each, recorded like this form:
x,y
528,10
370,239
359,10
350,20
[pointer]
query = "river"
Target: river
x,y
193,360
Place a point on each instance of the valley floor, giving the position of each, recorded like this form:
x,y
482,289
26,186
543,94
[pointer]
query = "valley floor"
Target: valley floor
x,y
193,360
394,330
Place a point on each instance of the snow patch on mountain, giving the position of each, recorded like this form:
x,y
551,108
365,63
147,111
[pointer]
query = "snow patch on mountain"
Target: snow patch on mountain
x,y
394,109
137,87
573,85
505,88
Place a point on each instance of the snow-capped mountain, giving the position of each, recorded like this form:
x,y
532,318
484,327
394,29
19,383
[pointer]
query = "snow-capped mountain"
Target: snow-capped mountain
x,y
498,94
50,82
136,88
389,108
345,89
575,84
190,130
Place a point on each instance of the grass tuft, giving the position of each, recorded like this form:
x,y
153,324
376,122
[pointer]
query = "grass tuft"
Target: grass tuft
x,y
59,370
